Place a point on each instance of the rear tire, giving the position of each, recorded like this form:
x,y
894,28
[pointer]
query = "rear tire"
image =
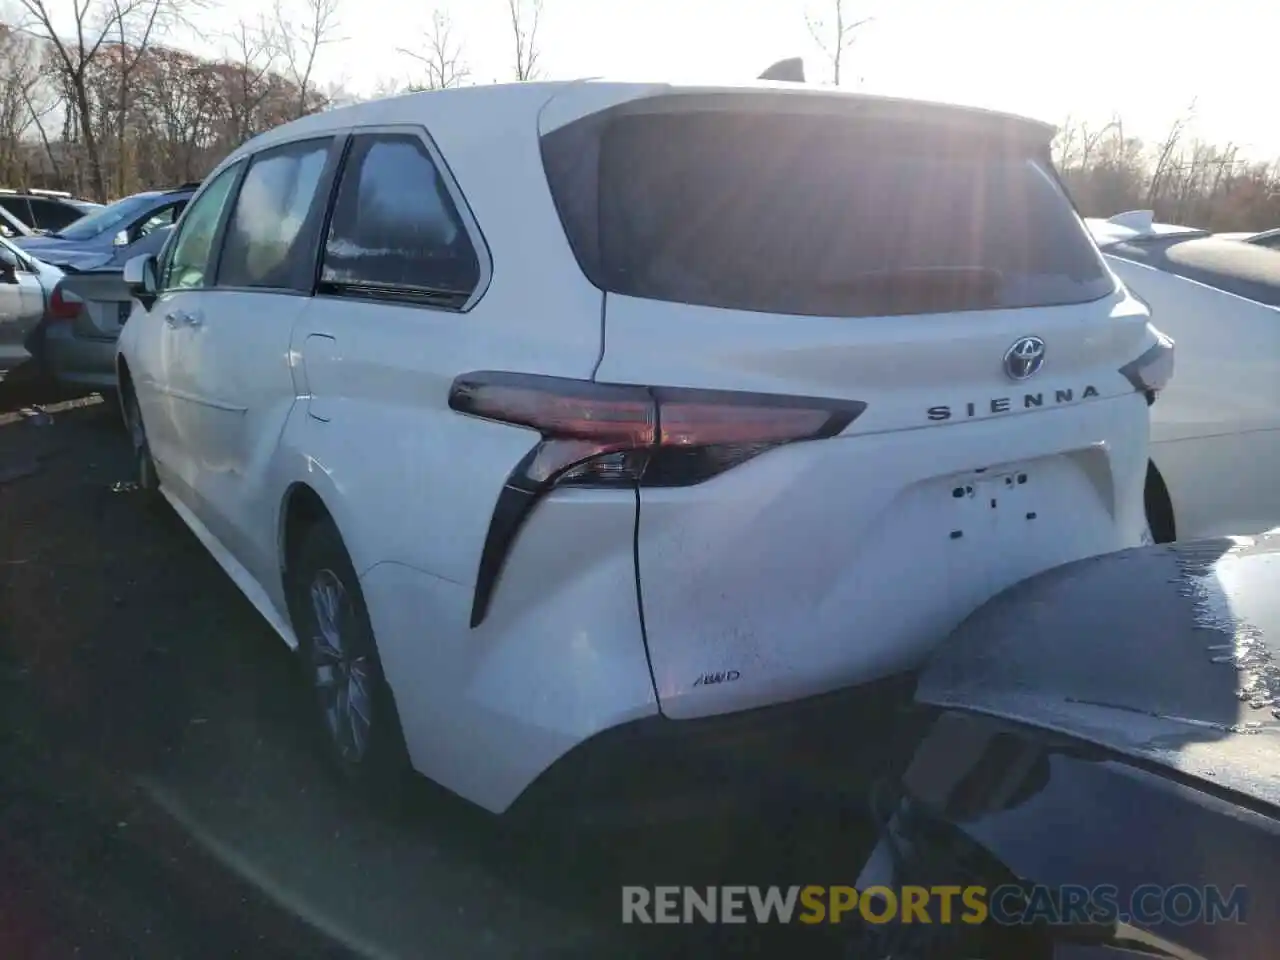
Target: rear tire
x,y
351,707
1159,509
144,466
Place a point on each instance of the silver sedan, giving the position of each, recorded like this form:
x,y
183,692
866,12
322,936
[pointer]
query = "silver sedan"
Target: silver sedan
x,y
25,287
75,343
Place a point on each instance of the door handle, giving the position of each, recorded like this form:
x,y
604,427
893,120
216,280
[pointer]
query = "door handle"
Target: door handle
x,y
193,319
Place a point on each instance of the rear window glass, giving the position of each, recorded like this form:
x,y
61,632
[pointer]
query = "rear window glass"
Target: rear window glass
x,y
816,215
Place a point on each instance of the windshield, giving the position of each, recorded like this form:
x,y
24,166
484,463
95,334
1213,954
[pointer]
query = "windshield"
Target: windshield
x,y
112,217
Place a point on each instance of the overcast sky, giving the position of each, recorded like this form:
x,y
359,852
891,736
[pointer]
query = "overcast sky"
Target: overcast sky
x,y
1145,59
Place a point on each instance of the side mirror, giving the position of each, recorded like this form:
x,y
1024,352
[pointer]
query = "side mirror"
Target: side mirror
x,y
121,239
8,272
140,278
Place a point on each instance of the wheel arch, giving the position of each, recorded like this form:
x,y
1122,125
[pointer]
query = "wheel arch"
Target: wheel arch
x,y
124,381
1159,506
300,508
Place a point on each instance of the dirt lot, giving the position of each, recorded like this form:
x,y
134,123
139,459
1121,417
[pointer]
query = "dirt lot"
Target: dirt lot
x,y
159,798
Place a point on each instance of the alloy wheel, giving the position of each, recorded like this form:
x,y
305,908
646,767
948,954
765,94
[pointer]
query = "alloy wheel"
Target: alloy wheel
x,y
342,671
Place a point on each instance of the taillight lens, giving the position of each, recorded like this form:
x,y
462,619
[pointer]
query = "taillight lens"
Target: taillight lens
x,y
617,435
601,434
63,305
579,421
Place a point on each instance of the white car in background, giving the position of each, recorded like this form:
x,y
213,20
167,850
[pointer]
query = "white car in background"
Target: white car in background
x,y
1265,238
1215,434
540,412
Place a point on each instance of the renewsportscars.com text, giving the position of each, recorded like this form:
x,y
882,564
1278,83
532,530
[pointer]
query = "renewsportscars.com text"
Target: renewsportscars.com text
x,y
1146,904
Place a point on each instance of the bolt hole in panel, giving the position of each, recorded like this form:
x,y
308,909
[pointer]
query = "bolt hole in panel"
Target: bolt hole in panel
x,y
1014,521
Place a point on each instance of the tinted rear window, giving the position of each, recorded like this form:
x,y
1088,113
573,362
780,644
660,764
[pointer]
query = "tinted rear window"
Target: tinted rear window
x,y
816,215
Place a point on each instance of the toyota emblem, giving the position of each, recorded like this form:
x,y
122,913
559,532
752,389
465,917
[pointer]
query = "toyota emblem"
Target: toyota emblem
x,y
1024,358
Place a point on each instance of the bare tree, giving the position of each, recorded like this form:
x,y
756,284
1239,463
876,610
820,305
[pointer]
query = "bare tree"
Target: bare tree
x,y
836,36
389,87
76,107
1090,139
441,58
1064,144
1165,153
134,24
525,15
74,57
254,50
300,42
109,40
21,103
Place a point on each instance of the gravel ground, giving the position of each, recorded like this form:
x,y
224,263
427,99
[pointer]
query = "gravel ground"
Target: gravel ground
x,y
158,796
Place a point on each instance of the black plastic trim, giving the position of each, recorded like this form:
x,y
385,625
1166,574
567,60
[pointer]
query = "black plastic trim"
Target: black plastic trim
x,y
1130,370
515,503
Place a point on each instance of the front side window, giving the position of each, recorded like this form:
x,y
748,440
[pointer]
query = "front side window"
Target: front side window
x,y
164,217
395,228
191,254
271,236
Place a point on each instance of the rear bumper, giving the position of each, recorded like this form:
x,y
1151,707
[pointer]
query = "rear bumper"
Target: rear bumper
x,y
79,360
796,757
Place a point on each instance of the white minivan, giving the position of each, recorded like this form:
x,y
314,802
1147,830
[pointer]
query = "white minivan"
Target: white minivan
x,y
534,412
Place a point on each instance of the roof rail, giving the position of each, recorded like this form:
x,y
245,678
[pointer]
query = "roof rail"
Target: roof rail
x,y
35,192
192,185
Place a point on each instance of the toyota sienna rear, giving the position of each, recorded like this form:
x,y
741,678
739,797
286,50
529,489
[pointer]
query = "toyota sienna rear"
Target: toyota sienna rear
x,y
555,413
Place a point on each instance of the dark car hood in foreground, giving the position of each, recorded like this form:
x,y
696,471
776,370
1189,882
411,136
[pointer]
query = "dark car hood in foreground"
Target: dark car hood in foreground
x,y
1170,654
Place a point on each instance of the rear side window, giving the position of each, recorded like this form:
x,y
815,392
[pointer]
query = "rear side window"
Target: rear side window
x,y
51,215
18,207
817,215
395,230
271,236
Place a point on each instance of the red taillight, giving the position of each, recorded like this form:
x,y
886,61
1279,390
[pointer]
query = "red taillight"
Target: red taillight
x,y
608,435
603,433
63,306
